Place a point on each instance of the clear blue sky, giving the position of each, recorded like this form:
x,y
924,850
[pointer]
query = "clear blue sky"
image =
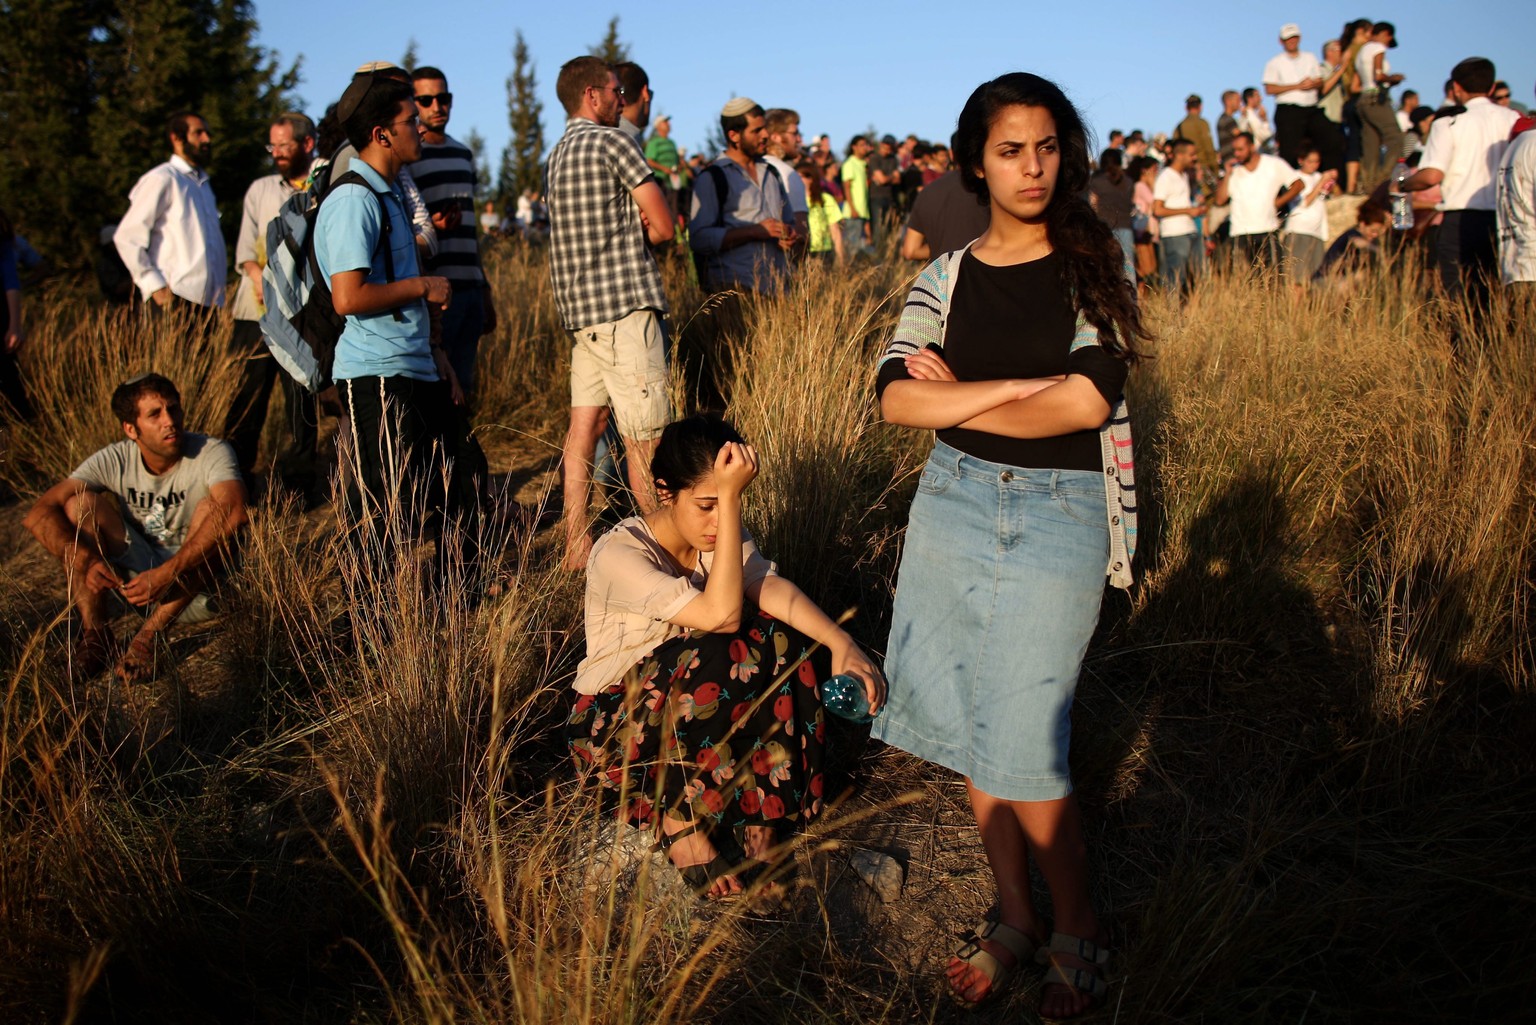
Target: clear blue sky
x,y
900,66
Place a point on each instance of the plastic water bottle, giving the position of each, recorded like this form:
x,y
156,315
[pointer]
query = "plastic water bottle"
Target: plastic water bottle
x,y
1402,204
844,695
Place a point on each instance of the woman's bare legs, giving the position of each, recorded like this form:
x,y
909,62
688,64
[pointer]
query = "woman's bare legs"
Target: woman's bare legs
x,y
1051,832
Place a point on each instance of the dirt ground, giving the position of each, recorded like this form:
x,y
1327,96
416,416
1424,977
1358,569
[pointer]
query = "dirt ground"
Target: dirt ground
x,y
893,804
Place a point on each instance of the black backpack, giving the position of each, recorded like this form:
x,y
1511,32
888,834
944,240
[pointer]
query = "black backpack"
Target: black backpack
x,y
722,189
300,323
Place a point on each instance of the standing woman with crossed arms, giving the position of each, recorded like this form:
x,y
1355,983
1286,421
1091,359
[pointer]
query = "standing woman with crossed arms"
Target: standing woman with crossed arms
x,y
1015,350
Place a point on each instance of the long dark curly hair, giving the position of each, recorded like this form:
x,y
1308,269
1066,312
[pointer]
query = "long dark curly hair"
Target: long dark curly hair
x,y
1094,264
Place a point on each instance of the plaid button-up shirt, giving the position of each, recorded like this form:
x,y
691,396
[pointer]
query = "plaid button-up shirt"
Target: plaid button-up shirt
x,y
599,264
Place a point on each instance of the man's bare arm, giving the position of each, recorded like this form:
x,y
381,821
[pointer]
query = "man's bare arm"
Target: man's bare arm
x,y
226,517
50,524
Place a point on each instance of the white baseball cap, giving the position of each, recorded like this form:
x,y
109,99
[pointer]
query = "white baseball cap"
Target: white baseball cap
x,y
1290,30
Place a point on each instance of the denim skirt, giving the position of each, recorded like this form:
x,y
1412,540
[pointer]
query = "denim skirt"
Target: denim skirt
x,y
998,594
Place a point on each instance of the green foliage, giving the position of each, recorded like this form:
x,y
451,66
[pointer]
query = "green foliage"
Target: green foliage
x,y
476,143
89,87
409,59
522,159
612,49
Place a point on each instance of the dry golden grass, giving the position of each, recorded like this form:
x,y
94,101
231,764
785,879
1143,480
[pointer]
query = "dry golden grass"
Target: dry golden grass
x,y
1303,744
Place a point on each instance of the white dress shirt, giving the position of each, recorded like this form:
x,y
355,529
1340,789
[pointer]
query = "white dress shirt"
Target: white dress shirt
x,y
1283,69
170,235
1467,149
1516,189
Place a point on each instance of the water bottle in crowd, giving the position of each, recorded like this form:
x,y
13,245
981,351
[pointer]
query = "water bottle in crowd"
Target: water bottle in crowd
x,y
1402,203
844,695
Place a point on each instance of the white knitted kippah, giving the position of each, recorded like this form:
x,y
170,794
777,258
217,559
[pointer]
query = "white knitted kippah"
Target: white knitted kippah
x,y
740,105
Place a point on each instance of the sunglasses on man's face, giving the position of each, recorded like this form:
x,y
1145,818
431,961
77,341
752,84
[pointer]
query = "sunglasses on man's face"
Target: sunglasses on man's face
x,y
1500,97
446,99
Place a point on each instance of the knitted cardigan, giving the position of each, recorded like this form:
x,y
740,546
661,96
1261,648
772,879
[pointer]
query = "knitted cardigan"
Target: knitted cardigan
x,y
922,324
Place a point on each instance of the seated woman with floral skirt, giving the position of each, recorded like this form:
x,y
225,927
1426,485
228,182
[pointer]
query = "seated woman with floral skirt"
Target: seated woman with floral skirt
x,y
697,693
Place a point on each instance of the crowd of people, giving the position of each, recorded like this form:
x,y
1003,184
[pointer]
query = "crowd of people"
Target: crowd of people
x,y
698,699
1257,190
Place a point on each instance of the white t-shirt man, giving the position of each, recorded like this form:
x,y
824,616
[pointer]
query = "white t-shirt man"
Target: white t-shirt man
x,y
1253,195
1365,64
160,508
1467,149
1308,218
1286,69
1172,189
1516,190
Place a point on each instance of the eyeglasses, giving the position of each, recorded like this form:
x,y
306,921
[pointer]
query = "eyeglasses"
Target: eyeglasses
x,y
413,120
1500,97
446,99
286,147
618,90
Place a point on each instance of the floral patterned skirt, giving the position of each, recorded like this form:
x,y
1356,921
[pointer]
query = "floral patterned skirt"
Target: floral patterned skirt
x,y
727,726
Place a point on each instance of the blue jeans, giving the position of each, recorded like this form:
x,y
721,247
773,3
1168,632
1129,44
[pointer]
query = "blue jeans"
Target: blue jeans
x,y
463,324
881,210
1178,258
853,236
1127,241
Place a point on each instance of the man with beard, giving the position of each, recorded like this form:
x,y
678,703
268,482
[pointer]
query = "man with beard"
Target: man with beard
x,y
149,518
604,208
169,239
742,224
782,152
291,141
446,176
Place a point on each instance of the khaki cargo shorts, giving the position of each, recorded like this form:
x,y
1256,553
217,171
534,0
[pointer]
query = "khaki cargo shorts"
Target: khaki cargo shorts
x,y
623,364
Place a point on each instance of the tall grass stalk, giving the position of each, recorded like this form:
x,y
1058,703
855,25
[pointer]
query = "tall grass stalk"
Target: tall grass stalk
x,y
1302,744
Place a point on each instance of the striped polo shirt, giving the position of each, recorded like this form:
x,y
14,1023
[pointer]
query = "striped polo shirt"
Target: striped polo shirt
x,y
445,174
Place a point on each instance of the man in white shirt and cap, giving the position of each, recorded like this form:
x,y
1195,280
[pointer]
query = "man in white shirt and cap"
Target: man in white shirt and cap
x,y
170,239
1462,157
1295,78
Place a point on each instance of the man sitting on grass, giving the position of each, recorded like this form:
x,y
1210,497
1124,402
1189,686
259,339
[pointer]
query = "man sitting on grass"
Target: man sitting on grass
x,y
149,518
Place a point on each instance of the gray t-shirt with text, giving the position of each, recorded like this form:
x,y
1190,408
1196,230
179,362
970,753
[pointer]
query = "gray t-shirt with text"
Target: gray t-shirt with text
x,y
161,507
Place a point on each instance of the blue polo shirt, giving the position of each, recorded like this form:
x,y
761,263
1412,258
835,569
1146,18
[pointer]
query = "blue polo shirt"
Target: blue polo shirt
x,y
347,238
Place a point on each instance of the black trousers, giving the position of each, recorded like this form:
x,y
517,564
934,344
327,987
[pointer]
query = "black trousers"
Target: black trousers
x,y
248,412
201,321
409,464
1296,126
1260,250
11,389
1466,253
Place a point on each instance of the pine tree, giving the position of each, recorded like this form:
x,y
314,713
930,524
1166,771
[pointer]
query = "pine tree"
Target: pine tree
x,y
46,47
476,143
103,77
522,160
409,59
611,49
